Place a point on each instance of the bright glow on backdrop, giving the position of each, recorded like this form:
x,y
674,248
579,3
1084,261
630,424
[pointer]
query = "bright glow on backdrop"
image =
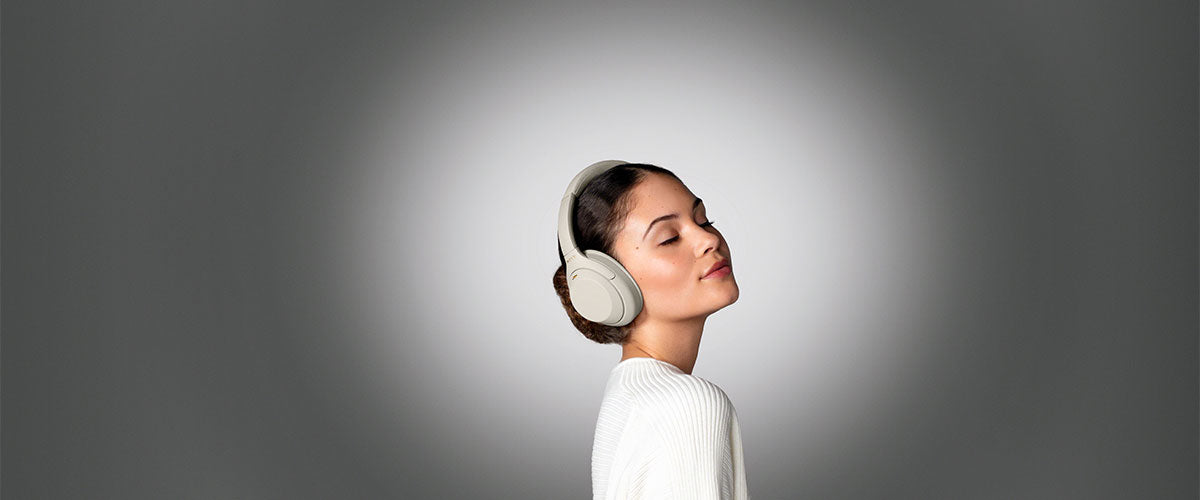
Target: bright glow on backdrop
x,y
305,251
812,169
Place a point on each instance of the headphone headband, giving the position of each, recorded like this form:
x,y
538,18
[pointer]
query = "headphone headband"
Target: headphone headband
x,y
566,211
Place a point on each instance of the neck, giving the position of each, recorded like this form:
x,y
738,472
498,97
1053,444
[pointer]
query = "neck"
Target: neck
x,y
677,343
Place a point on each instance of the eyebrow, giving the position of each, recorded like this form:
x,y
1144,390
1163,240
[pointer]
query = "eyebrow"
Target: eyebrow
x,y
667,217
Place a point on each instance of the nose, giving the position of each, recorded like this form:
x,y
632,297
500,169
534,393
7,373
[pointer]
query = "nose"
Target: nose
x,y
707,241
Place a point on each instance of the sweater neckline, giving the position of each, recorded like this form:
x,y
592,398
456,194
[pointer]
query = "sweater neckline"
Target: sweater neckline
x,y
643,359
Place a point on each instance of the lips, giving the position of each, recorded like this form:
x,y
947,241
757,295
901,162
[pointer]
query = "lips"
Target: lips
x,y
718,265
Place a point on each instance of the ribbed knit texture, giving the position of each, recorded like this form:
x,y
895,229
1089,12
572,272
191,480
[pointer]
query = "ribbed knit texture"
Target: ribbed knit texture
x,y
665,434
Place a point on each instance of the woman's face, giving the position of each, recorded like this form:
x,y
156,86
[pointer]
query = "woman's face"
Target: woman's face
x,y
669,261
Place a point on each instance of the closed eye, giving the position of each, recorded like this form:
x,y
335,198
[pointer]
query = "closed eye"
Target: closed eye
x,y
672,240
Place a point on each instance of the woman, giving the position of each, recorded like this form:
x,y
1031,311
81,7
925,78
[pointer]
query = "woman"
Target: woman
x,y
646,268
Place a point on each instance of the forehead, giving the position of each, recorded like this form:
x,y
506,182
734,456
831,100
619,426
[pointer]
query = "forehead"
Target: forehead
x,y
657,195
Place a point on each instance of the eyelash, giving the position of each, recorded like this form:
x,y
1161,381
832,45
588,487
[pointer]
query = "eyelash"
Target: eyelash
x,y
672,240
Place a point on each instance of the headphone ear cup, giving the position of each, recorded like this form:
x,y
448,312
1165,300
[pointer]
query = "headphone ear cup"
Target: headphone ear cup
x,y
621,286
595,297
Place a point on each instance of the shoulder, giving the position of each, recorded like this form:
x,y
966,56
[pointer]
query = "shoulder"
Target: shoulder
x,y
679,399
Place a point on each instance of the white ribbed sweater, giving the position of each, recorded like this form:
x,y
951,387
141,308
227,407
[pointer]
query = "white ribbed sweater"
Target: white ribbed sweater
x,y
663,433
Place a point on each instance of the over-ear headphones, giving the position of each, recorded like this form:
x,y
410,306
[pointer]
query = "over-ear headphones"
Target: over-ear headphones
x,y
600,287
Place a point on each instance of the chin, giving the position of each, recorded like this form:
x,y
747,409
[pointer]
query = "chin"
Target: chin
x,y
729,300
733,299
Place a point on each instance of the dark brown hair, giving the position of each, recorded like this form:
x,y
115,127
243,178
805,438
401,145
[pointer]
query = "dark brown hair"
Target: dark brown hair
x,y
600,212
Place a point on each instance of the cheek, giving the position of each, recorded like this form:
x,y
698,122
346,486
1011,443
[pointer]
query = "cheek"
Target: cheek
x,y
663,276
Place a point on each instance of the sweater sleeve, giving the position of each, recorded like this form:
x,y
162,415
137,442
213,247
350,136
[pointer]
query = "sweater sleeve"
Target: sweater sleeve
x,y
696,430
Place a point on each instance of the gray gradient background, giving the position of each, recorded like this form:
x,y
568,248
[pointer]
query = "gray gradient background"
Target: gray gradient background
x,y
293,250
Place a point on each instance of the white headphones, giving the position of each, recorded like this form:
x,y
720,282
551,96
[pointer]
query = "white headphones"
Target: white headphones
x,y
600,287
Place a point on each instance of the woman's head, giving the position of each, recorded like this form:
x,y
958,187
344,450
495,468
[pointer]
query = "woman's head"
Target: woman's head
x,y
645,218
